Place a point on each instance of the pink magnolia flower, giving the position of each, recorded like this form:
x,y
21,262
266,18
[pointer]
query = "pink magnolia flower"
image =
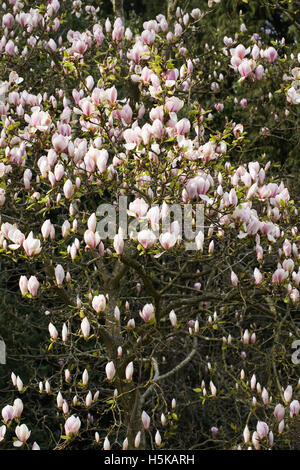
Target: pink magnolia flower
x,y
8,413
59,274
119,243
10,48
259,72
7,21
173,104
33,285
255,441
148,37
153,217
270,54
99,303
106,444
167,240
110,370
279,412
23,434
262,429
23,284
2,432
91,239
157,129
279,276
295,295
148,313
257,276
59,172
239,51
53,331
118,31
129,371
173,318
294,408
138,208
47,229
92,222
246,67
59,142
234,279
32,246
146,420
183,126
288,393
72,425
146,238
40,120
85,327
68,189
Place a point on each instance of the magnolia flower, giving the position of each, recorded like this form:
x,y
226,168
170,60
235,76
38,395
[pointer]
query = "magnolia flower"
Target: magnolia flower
x,y
68,189
265,396
167,240
138,208
110,370
246,434
173,318
145,420
59,274
137,440
99,303
32,246
85,327
255,440
257,276
157,439
85,377
88,399
125,444
20,385
106,444
234,279
23,284
46,228
8,413
2,432
23,434
91,239
53,331
64,332
146,238
288,393
119,243
212,388
72,425
279,412
262,429
129,371
147,313
294,408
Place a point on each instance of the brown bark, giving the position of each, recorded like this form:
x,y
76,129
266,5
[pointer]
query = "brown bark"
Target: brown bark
x,y
118,9
171,10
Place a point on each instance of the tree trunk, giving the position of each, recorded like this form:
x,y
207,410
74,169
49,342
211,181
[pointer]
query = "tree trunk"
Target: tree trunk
x,y
118,9
171,10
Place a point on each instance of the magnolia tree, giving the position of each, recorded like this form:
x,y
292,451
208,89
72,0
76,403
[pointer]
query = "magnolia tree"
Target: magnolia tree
x,y
162,276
